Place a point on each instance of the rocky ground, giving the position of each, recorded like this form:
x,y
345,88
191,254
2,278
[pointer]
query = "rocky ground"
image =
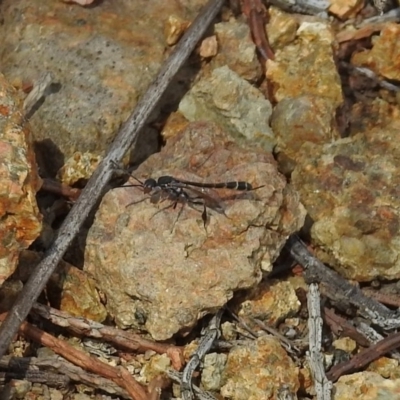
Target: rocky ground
x,y
300,102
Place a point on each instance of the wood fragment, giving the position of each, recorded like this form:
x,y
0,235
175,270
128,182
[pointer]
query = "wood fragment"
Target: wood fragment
x,y
200,394
387,299
284,393
156,385
365,357
120,338
45,377
368,26
341,327
323,386
255,13
62,367
52,186
373,336
364,32
381,5
210,335
118,375
311,7
39,90
339,289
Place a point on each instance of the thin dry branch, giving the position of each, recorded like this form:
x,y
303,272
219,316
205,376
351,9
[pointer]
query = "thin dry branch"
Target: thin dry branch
x,y
120,338
364,357
341,327
210,335
29,367
41,86
323,387
256,15
339,289
34,376
52,186
120,375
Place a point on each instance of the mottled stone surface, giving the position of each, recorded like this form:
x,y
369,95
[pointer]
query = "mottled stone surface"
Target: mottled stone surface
x,y
78,295
236,50
258,370
213,367
281,28
158,364
9,291
345,344
306,66
162,274
345,9
366,386
174,28
305,82
79,167
351,190
69,289
372,115
19,390
102,58
271,302
230,101
303,119
174,125
209,47
20,221
384,57
386,367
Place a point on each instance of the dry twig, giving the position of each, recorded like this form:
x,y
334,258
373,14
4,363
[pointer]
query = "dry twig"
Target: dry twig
x,y
340,326
41,86
323,386
390,300
52,186
255,13
338,289
302,6
120,338
118,375
200,394
26,366
35,376
210,335
364,357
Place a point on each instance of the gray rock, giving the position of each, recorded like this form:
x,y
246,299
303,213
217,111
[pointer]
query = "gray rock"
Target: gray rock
x,y
258,371
102,58
20,220
351,190
236,50
213,367
234,104
159,268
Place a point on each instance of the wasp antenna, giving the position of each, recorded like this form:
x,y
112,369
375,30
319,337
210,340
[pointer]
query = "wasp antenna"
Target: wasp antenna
x,y
137,180
258,187
130,185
